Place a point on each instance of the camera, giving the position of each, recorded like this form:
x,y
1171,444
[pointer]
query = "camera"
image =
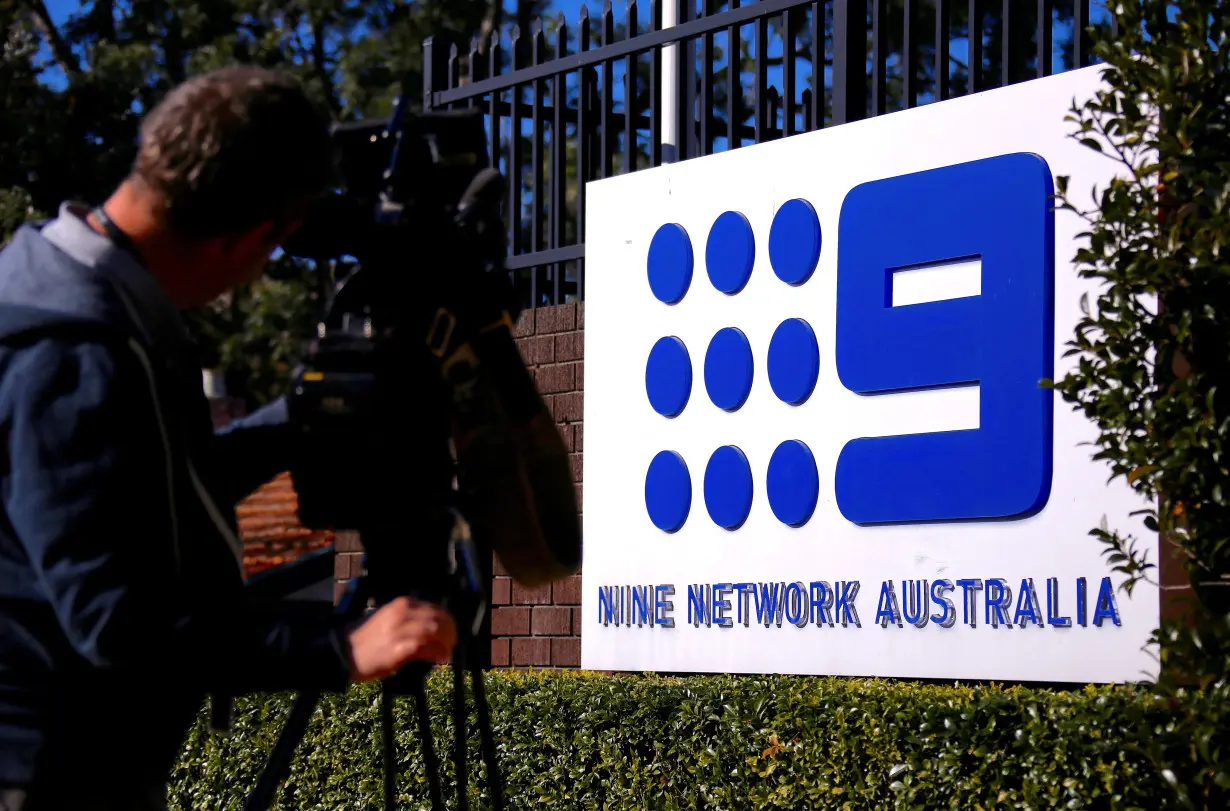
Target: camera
x,y
422,428
414,400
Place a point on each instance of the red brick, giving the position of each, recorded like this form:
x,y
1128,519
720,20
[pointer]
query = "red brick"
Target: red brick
x,y
559,318
570,346
539,595
499,652
525,324
567,591
579,376
574,459
576,622
347,565
538,350
579,440
580,496
348,542
551,621
581,315
555,378
510,621
568,407
566,652
531,651
567,434
501,591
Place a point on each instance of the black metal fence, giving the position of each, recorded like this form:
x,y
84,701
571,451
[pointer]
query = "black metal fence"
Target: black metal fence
x,y
567,103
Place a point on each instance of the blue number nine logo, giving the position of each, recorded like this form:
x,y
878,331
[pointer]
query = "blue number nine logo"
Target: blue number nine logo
x,y
997,210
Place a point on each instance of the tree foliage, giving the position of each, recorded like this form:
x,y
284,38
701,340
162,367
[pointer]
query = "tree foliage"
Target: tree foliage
x,y
73,93
1153,347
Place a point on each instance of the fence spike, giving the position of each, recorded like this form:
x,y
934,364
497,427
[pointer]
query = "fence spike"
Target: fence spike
x,y
561,36
584,13
474,64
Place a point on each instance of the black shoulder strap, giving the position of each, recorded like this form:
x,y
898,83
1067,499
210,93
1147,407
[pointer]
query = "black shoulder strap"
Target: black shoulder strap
x,y
116,234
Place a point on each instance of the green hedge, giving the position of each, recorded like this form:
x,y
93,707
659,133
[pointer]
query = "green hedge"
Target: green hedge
x,y
581,741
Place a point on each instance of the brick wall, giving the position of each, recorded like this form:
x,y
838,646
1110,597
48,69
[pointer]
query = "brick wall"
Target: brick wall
x,y
539,627
268,519
347,561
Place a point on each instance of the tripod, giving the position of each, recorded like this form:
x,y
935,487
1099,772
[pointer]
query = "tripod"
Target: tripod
x,y
466,598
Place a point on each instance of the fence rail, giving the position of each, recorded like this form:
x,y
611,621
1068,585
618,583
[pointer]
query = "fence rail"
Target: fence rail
x,y
568,104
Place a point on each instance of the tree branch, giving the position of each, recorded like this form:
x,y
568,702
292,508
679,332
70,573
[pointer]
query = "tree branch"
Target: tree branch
x,y
491,22
103,16
64,56
321,67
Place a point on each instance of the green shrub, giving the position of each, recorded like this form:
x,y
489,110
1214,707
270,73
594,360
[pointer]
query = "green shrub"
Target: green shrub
x,y
580,741
1154,368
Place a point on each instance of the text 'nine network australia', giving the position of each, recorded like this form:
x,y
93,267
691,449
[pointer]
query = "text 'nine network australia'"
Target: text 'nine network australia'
x,y
993,603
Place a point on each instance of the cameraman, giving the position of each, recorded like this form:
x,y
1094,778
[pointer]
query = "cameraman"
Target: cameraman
x,y
121,590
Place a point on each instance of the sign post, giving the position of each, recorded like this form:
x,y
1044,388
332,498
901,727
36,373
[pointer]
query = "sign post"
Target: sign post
x,y
670,87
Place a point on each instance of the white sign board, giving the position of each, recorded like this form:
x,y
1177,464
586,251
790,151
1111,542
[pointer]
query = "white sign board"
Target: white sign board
x,y
815,437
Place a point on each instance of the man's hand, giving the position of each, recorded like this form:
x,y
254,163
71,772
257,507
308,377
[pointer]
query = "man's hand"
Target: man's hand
x,y
398,633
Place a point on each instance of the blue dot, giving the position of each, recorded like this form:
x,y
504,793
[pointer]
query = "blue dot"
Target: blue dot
x,y
730,252
728,487
794,242
792,484
668,491
728,369
668,376
794,361
670,263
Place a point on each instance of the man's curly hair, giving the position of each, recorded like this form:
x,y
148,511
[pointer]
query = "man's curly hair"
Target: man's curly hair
x,y
233,148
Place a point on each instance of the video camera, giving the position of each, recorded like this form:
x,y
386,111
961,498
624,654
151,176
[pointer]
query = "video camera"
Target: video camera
x,y
424,429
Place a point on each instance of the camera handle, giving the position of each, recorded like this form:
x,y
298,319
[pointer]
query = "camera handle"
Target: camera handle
x,y
468,598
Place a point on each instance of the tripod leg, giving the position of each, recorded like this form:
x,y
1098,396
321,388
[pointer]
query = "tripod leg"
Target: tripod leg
x,y
261,797
390,747
484,725
430,764
459,722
